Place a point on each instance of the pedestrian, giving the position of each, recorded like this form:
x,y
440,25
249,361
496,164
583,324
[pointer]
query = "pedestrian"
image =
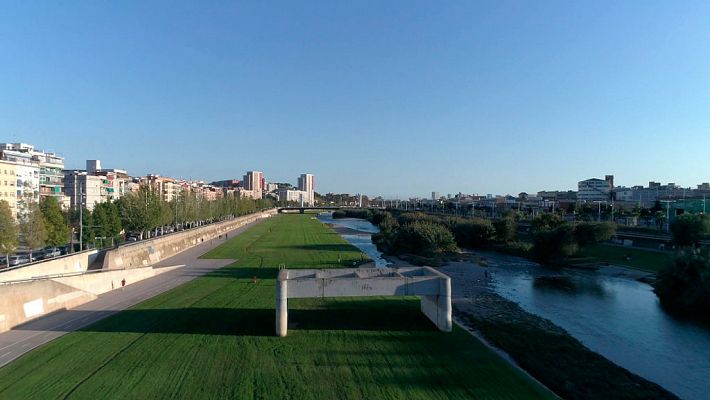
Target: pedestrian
x,y
123,282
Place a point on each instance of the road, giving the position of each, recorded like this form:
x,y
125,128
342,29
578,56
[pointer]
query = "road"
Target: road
x,y
30,335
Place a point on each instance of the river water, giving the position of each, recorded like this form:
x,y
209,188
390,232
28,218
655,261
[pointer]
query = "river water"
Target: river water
x,y
616,317
362,239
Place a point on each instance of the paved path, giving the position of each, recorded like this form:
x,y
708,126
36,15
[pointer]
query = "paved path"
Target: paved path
x,y
30,335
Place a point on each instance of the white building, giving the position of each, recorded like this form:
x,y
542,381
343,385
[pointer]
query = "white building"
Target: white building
x,y
593,190
307,184
49,181
299,196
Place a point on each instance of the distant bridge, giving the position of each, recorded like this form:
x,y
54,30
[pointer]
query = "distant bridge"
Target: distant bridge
x,y
303,209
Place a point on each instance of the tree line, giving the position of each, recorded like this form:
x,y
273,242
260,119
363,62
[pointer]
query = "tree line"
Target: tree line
x,y
142,213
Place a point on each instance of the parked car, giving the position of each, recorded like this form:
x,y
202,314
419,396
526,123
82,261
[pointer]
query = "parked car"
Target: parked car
x,y
50,252
19,259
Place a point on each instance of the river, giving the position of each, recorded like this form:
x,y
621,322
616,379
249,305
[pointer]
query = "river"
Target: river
x,y
618,318
362,239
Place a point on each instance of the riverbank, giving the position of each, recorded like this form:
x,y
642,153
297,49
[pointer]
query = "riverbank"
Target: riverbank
x,y
214,338
544,350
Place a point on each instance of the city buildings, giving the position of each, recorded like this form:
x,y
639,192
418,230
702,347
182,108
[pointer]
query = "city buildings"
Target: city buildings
x,y
38,173
8,188
96,184
305,195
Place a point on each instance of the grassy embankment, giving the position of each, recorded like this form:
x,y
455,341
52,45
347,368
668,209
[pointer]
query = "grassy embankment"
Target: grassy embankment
x,y
214,338
647,260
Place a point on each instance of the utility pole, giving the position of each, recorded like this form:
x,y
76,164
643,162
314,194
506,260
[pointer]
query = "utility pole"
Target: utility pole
x,y
81,219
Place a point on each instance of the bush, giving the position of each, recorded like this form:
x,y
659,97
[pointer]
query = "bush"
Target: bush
x,y
339,214
505,229
684,285
689,229
587,233
546,222
553,245
472,233
408,218
424,238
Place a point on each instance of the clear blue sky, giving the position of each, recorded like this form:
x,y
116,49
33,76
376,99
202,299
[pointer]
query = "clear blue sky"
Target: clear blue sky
x,y
392,98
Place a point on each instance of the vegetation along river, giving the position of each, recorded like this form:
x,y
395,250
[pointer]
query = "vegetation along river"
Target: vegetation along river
x,y
618,318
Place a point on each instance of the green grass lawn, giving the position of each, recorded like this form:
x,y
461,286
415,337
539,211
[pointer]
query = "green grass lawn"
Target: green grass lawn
x,y
647,260
214,338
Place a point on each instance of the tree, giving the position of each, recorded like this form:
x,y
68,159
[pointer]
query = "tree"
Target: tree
x,y
8,231
689,229
506,228
587,233
552,245
546,222
660,218
32,227
55,222
684,285
141,210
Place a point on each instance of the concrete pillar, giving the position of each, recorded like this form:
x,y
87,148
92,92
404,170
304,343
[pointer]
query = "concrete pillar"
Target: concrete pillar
x,y
444,299
281,308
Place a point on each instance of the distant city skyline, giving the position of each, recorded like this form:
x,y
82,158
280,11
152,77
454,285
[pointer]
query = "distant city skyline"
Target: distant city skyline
x,y
372,97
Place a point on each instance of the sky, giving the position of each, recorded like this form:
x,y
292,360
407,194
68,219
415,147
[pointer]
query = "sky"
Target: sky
x,y
391,98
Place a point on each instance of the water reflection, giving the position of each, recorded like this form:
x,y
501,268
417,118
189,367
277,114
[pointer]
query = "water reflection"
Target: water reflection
x,y
359,234
618,318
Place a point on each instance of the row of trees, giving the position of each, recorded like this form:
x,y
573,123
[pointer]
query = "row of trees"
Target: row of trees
x,y
143,212
684,285
430,236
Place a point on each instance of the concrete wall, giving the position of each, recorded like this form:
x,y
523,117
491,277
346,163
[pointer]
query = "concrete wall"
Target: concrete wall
x,y
149,252
77,262
101,282
22,302
433,287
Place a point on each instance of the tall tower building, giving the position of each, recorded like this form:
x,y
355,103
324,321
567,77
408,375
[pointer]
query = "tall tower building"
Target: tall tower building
x,y
253,181
307,184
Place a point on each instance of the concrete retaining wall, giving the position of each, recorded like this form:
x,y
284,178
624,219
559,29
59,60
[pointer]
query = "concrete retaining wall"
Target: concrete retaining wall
x,y
150,252
77,262
101,282
22,302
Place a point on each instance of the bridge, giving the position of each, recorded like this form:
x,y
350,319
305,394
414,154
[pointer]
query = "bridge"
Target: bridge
x,y
304,208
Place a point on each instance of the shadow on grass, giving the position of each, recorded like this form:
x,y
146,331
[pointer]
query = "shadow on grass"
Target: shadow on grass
x,y
244,273
340,247
361,315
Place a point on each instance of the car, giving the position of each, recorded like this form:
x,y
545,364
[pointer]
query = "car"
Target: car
x,y
19,259
50,252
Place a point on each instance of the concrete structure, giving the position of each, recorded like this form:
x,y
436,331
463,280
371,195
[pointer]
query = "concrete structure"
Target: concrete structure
x,y
150,252
69,264
24,301
433,287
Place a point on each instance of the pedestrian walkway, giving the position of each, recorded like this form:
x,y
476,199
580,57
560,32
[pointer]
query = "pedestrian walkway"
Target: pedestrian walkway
x,y
23,338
